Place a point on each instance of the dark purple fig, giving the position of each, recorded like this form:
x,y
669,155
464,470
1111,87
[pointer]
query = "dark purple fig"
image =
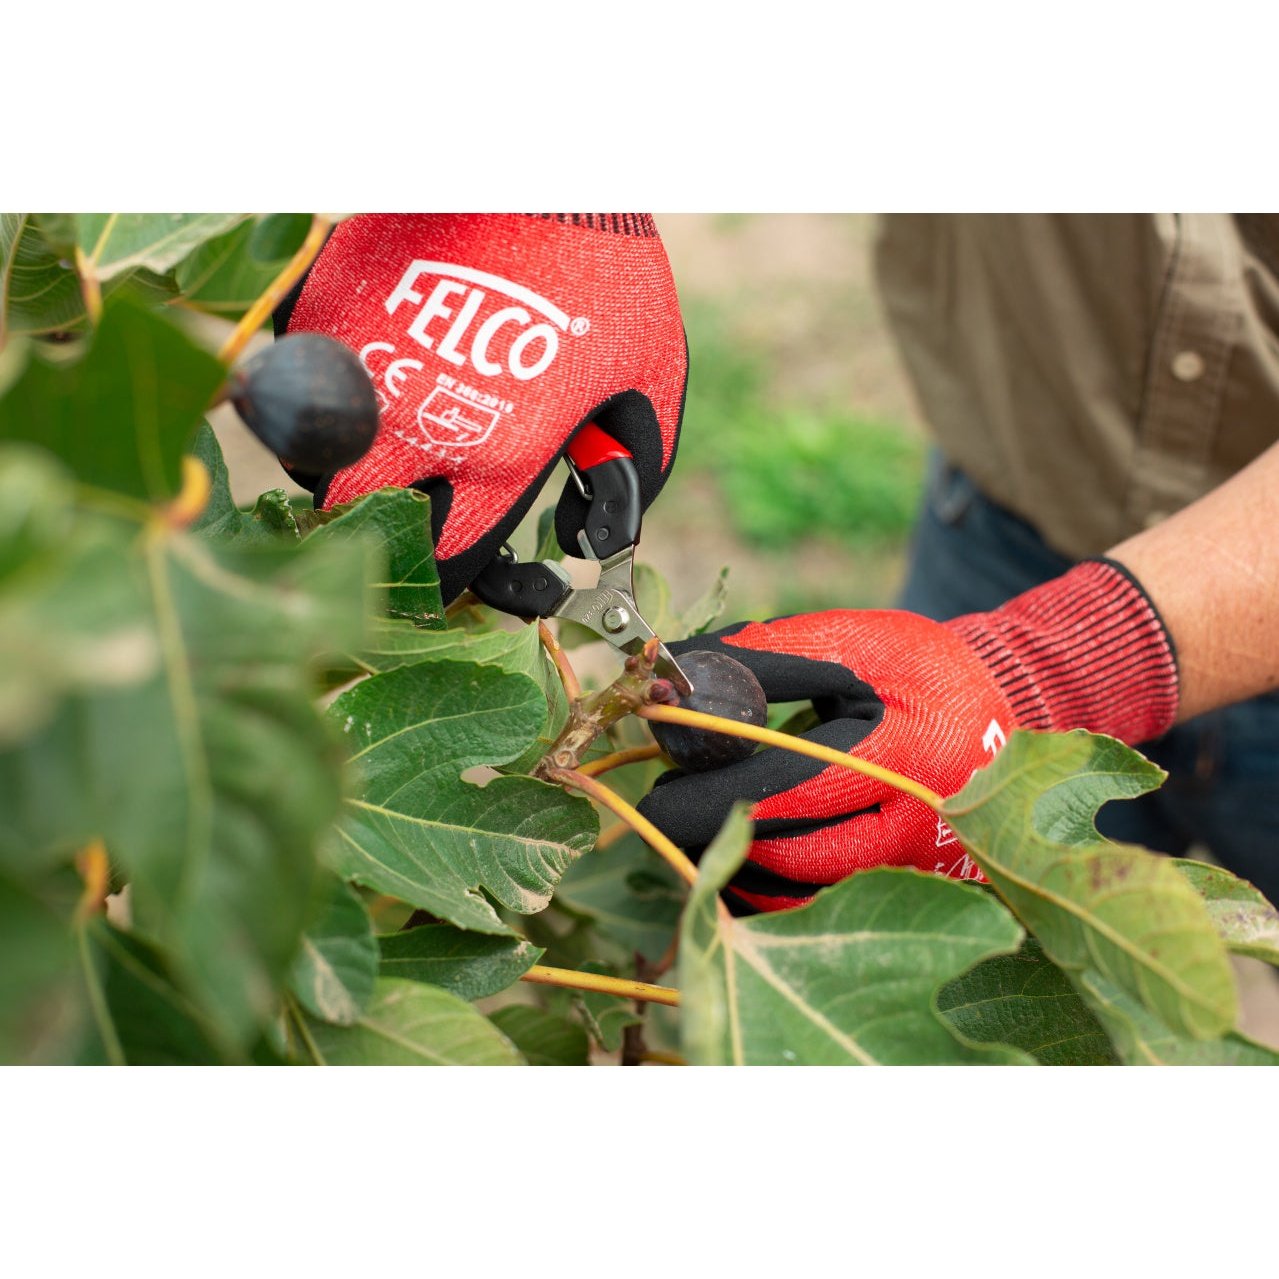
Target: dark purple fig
x,y
309,400
721,686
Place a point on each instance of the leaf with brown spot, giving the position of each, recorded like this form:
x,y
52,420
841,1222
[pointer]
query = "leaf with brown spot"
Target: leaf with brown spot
x,y
1245,920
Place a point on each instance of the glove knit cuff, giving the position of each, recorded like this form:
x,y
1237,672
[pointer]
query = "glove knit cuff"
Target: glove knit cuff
x,y
1086,650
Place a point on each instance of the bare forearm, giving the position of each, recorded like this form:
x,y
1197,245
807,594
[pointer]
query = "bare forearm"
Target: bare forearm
x,y
1212,570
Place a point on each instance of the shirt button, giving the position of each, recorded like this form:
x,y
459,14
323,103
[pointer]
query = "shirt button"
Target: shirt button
x,y
1187,366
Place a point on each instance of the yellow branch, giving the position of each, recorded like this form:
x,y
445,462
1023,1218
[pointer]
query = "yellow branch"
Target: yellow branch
x,y
770,737
645,829
623,987
632,755
256,315
568,676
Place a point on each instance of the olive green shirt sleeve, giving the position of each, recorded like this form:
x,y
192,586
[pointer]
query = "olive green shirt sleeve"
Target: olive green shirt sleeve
x,y
1093,373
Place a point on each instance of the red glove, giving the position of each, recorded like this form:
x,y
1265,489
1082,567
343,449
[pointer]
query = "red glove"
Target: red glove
x,y
491,338
933,701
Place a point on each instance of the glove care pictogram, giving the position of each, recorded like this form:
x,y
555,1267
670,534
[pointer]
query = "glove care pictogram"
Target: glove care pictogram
x,y
455,417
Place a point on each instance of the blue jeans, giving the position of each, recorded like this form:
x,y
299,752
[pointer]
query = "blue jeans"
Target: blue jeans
x,y
969,555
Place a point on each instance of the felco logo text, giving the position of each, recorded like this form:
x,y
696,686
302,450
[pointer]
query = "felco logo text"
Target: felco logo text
x,y
452,320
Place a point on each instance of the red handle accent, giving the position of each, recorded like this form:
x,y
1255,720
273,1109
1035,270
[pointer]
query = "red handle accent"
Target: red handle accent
x,y
591,446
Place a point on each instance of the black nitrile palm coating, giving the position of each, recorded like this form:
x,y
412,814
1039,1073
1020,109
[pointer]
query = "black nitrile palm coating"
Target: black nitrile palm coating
x,y
309,400
691,807
721,686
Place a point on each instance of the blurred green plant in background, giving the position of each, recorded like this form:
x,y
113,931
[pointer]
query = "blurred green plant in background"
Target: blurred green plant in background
x,y
789,471
797,483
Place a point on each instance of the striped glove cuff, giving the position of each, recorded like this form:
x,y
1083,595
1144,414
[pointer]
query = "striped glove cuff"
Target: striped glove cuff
x,y
1086,650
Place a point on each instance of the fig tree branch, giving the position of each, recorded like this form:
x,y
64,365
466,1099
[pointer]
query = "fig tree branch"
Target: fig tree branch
x,y
770,737
273,295
623,987
659,843
632,755
568,676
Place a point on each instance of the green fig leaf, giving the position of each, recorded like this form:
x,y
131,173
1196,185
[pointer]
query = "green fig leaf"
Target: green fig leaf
x,y
142,1018
1027,1001
200,761
117,242
398,520
849,979
1244,918
1027,819
39,287
1143,1039
334,971
406,1024
470,965
121,414
416,830
543,1038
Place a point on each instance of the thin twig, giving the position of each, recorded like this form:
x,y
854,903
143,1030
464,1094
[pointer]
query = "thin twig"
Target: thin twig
x,y
568,676
623,987
769,737
645,829
632,755
256,315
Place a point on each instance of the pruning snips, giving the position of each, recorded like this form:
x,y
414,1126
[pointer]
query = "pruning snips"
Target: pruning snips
x,y
605,474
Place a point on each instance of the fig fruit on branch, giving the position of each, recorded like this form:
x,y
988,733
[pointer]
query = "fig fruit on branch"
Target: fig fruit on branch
x,y
721,686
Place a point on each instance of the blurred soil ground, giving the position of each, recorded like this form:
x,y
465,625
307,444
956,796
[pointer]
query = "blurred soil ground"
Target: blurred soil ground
x,y
787,303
